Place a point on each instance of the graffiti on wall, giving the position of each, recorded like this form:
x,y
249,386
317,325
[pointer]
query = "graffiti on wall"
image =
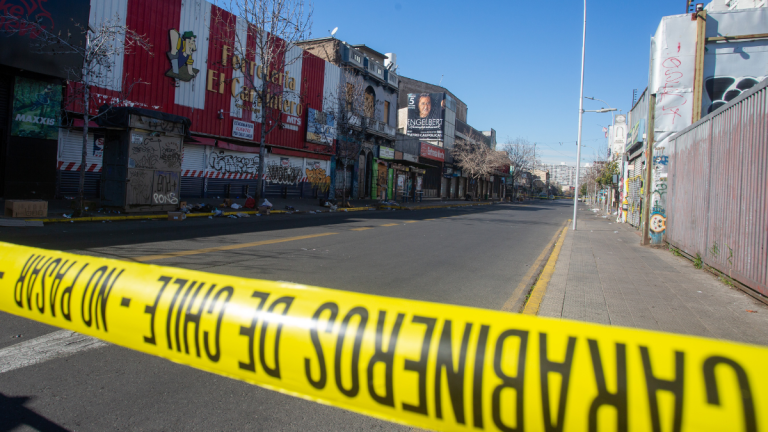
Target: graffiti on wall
x,y
166,187
232,164
658,219
723,89
283,172
139,186
317,176
155,153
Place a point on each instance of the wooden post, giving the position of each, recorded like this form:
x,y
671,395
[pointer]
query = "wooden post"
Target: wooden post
x,y
648,183
698,72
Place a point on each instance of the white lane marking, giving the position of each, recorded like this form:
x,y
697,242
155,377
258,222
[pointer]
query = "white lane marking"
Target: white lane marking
x,y
62,343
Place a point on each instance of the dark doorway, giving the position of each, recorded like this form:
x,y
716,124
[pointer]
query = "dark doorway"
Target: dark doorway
x,y
368,175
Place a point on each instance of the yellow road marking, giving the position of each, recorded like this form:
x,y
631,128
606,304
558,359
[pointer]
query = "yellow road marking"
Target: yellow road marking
x,y
224,248
391,224
538,291
361,229
410,221
428,219
520,289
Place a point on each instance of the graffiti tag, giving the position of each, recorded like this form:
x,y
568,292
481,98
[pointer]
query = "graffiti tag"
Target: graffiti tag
x,y
281,174
234,164
318,179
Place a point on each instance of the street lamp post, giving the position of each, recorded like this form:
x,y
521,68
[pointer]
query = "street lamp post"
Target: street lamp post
x,y
581,116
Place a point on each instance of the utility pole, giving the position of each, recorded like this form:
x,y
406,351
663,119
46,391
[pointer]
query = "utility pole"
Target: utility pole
x,y
648,183
581,116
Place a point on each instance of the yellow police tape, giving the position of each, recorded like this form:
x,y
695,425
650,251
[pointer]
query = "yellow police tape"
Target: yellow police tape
x,y
424,364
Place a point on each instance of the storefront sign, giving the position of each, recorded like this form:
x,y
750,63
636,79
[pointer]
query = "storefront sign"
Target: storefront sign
x,y
245,89
432,152
36,109
386,152
241,129
410,157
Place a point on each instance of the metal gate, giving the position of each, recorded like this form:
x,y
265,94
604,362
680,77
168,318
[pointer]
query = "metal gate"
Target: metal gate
x,y
69,159
193,171
717,197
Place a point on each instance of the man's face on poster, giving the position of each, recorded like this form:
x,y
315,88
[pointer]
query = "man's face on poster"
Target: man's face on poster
x,y
425,106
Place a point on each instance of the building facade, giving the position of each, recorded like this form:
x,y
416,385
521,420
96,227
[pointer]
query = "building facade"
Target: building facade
x,y
376,72
436,117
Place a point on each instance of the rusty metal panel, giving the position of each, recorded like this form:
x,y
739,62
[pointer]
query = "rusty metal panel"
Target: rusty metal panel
x,y
718,201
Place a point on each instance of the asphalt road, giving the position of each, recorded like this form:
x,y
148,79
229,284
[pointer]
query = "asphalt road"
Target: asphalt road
x,y
472,256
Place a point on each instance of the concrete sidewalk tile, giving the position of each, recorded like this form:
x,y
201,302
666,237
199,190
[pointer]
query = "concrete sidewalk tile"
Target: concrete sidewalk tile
x,y
607,277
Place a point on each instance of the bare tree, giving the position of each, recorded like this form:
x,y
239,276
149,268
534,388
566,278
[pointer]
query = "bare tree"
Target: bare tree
x,y
103,43
476,159
352,108
521,158
264,45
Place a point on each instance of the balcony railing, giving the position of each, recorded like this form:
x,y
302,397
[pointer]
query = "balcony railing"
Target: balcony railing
x,y
378,127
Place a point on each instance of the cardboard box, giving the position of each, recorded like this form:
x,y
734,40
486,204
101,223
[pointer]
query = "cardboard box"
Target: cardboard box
x,y
264,210
176,216
26,208
227,203
182,205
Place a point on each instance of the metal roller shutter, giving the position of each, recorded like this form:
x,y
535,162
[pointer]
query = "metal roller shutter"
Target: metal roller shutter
x,y
69,158
192,171
284,176
217,187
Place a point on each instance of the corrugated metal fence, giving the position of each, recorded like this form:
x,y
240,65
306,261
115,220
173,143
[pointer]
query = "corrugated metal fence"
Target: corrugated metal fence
x,y
717,206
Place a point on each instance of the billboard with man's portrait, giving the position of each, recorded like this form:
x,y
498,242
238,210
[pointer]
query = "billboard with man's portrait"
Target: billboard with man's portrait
x,y
426,115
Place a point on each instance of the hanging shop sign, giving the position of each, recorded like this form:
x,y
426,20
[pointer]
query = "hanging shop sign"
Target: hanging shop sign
x,y
432,152
241,129
386,153
36,109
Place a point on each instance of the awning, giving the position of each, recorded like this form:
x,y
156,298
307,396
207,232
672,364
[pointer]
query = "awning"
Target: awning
x,y
200,140
413,164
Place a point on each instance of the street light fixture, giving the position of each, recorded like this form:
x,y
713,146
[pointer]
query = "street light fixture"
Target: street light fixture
x,y
581,116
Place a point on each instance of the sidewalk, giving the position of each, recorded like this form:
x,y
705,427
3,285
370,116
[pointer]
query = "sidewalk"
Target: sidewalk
x,y
603,275
57,209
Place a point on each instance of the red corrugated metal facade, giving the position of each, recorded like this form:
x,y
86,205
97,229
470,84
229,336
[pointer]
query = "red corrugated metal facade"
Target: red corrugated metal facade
x,y
154,19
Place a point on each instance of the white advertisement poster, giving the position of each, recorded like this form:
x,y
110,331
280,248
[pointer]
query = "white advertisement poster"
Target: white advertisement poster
x,y
241,129
673,56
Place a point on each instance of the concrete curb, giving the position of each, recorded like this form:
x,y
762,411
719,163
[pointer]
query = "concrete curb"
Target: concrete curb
x,y
540,287
163,216
431,207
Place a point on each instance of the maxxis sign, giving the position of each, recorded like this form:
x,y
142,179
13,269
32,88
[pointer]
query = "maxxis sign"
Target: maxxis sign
x,y
36,109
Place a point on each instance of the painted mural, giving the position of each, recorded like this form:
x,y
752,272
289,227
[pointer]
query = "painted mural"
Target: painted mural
x,y
723,89
317,175
658,218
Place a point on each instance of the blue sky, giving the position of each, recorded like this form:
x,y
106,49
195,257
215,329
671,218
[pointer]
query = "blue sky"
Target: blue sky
x,y
515,64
